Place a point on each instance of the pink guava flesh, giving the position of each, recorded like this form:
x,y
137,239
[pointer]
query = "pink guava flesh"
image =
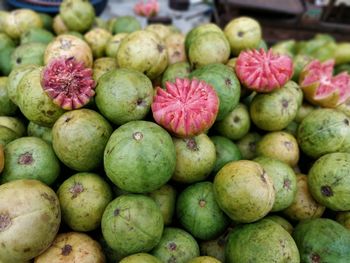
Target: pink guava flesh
x,y
263,71
185,108
321,87
68,82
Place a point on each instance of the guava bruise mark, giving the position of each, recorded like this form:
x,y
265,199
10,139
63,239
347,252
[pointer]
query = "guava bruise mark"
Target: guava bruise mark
x,y
326,191
66,250
25,158
48,197
191,144
116,212
286,184
160,48
172,246
76,189
5,222
315,258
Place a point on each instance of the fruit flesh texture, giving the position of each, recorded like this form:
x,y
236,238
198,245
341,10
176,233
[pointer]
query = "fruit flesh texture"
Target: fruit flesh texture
x,y
68,83
187,107
263,71
321,87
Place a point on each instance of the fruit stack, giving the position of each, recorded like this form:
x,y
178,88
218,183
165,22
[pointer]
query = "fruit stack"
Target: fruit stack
x,y
123,144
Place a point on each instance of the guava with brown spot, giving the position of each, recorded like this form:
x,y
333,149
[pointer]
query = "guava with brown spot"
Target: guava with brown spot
x,y
215,247
97,38
324,131
236,124
322,240
279,145
177,70
30,217
284,181
275,110
140,257
143,51
243,33
247,145
72,247
67,46
165,197
28,54
30,158
139,157
132,224
281,221
329,180
244,191
226,151
83,198
176,245
344,219
175,45
195,158
200,30
304,205
33,101
79,138
261,242
209,48
199,213
124,95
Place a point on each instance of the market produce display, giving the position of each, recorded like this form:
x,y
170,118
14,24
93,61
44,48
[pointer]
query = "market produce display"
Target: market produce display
x,y
145,145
